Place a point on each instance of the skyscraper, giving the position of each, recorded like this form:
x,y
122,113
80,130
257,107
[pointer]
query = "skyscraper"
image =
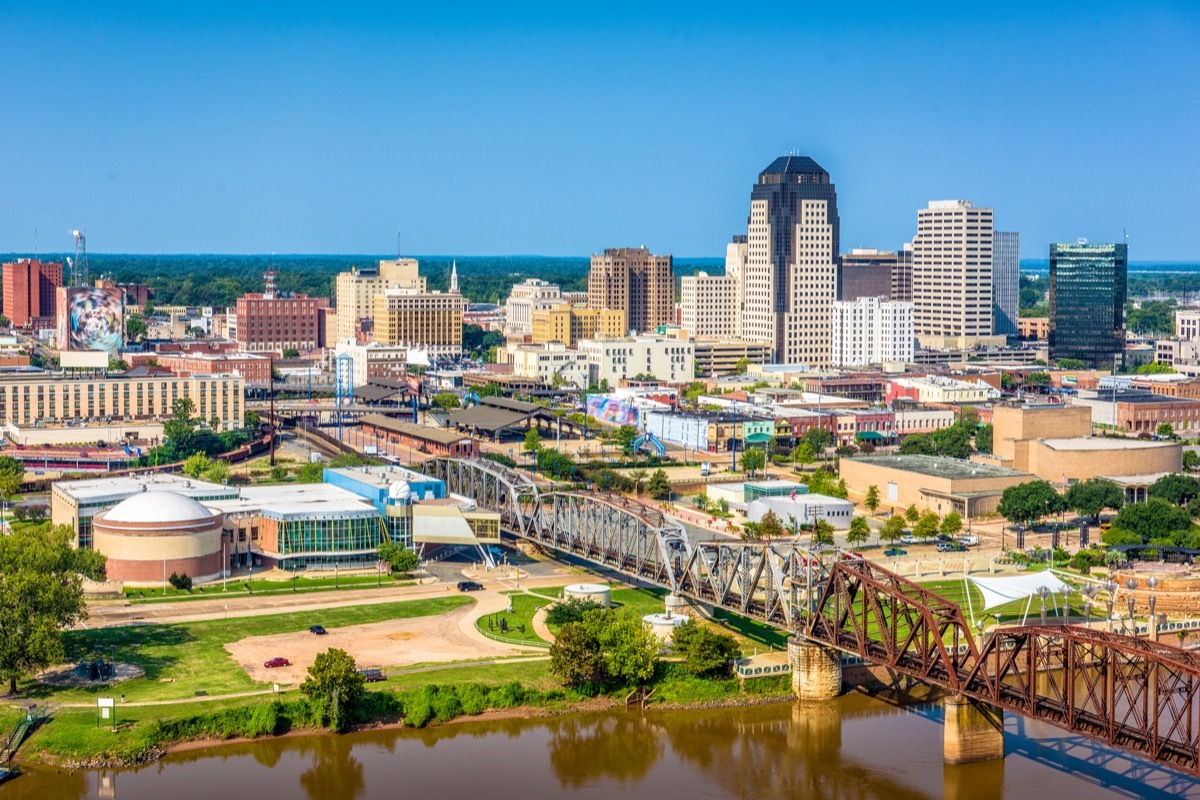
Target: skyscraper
x,y
629,279
872,330
865,272
1087,302
30,288
952,276
791,261
1006,282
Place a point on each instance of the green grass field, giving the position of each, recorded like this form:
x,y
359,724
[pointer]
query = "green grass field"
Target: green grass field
x,y
238,588
953,591
518,624
182,658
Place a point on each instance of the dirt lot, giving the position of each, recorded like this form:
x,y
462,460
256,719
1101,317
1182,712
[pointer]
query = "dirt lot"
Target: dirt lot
x,y
396,643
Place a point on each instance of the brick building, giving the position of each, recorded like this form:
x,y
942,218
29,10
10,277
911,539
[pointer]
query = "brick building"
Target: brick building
x,y
270,323
30,292
632,280
253,368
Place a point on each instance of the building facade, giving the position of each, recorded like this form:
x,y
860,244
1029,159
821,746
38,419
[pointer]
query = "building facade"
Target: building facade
x,y
902,275
568,325
865,272
708,305
952,276
1006,282
31,292
355,291
523,299
374,360
791,262
872,330
672,360
429,321
721,356
1087,302
255,369
632,280
548,364
273,323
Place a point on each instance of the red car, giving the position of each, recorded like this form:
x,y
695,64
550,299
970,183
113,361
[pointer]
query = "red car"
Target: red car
x,y
277,661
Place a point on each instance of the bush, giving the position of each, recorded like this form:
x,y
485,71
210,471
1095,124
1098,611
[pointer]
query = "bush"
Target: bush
x,y
571,610
473,697
500,459
182,583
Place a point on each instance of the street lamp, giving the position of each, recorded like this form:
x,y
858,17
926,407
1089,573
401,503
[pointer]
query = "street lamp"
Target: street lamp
x,y
1151,583
1131,584
1089,597
1043,595
1110,586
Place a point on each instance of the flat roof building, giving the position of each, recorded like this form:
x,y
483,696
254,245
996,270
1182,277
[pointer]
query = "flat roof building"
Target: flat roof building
x,y
1088,286
938,483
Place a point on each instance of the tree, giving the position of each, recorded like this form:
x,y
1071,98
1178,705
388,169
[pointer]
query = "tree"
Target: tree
x,y
559,466
700,501
704,651
741,366
41,593
1191,459
1006,382
218,472
1092,496
1071,363
871,501
118,365
12,475
1175,489
290,352
1154,519
983,438
1029,501
334,687
911,514
751,531
135,328
398,557
893,528
182,583
446,401
770,526
954,441
927,526
822,532
1155,369
753,459
917,444
533,441
570,610
952,524
1165,430
659,486
638,476
1037,379
5,322
575,657
818,439
196,464
313,472
625,437
860,531
803,454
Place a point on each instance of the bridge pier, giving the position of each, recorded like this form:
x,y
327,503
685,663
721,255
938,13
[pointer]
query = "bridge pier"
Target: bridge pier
x,y
974,731
816,670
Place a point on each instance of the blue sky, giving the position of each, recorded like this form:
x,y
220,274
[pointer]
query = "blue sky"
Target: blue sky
x,y
306,128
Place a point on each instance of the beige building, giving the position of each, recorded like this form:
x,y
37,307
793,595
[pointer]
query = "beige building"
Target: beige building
x,y
57,398
632,280
523,299
952,276
543,362
708,305
612,360
938,483
431,321
355,291
566,324
721,356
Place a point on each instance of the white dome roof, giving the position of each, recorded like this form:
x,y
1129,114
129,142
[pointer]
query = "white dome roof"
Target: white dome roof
x,y
400,491
157,507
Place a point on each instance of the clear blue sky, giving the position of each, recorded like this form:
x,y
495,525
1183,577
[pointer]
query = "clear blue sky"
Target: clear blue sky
x,y
305,128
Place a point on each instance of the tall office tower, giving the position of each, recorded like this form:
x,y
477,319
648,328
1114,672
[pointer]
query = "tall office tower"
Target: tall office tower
x,y
872,330
791,261
1006,282
629,279
952,276
865,272
708,305
30,292
902,274
354,291
736,253
1087,302
431,321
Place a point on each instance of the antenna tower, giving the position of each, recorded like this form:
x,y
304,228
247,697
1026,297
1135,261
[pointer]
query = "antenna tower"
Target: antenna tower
x,y
269,290
79,267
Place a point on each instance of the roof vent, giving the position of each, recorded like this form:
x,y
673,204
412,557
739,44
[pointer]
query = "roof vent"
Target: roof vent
x,y
142,488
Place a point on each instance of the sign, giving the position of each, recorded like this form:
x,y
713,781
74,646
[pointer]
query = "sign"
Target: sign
x,y
105,702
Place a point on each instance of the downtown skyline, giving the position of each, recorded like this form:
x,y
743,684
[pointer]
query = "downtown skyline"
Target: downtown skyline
x,y
226,130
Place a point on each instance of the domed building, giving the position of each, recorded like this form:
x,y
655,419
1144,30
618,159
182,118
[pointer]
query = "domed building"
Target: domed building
x,y
148,536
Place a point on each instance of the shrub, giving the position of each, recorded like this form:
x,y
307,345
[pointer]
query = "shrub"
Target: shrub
x,y
571,610
182,583
473,697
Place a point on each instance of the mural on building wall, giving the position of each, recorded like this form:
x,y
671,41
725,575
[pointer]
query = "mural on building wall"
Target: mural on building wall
x,y
611,410
90,319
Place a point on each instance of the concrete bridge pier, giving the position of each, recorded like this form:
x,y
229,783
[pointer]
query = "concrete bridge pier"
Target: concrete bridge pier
x,y
974,731
816,670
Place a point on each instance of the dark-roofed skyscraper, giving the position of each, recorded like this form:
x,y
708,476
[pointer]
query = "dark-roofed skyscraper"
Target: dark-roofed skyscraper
x,y
791,263
1087,302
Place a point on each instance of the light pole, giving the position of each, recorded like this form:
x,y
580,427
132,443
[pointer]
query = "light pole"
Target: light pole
x,y
1131,584
1110,586
1043,594
1152,583
1089,597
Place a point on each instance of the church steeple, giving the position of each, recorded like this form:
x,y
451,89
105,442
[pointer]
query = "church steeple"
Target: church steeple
x,y
454,277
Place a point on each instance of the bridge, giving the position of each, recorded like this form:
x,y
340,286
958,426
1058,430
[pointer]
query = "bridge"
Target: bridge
x,y
1132,694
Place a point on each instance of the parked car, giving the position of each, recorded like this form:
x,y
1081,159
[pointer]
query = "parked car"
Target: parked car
x,y
895,552
372,675
277,661
970,540
469,586
908,538
317,629
945,537
950,547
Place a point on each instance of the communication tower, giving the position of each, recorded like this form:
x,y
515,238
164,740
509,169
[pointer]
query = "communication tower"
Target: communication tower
x,y
269,289
79,267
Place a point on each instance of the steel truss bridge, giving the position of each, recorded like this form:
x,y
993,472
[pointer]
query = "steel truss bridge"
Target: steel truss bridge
x,y
1132,694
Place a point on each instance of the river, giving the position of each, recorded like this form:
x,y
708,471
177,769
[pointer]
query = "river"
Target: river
x,y
855,747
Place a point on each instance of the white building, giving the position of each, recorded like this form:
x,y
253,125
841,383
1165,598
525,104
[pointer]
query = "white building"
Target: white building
x,y
872,330
672,360
375,360
708,305
545,361
805,510
952,276
524,299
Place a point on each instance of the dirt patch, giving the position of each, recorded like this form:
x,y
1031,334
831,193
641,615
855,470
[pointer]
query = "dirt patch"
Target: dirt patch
x,y
396,643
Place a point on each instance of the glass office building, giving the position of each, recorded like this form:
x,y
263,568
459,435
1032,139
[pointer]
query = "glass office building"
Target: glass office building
x,y
1087,302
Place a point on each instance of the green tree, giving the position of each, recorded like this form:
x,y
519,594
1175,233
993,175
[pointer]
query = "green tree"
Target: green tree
x,y
818,439
311,473
1191,459
290,352
751,531
911,514
638,476
822,532
533,442
954,441
1037,379
1092,496
659,486
770,526
196,464
1029,501
1071,363
871,501
12,476
704,651
629,649
334,688
489,389
625,437
576,658
983,438
927,525
1175,489
741,366
447,401
5,322
952,523
1154,519
118,365
893,528
1006,382
218,472
860,531
557,465
135,328
398,557
803,454
1165,430
41,593
917,444
1155,369
753,459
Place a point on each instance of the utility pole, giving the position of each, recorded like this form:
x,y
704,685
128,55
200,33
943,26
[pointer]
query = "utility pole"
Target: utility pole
x,y
271,392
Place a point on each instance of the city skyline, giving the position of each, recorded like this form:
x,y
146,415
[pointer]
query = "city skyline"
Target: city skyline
x,y
252,131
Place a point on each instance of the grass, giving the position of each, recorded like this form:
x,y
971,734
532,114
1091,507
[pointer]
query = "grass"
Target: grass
x,y
750,630
530,673
237,588
953,591
182,658
519,623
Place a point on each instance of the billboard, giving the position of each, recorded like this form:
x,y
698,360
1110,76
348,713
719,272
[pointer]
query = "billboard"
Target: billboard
x,y
611,410
90,319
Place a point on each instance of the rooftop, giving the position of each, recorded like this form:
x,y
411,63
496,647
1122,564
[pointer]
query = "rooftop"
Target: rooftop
x,y
294,500
794,165
439,435
941,466
117,488
1100,443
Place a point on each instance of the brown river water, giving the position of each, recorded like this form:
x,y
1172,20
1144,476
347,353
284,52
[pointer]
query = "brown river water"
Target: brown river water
x,y
856,747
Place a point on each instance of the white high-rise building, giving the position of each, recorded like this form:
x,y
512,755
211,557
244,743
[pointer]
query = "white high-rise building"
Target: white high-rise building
x,y
791,261
524,298
708,305
872,330
952,276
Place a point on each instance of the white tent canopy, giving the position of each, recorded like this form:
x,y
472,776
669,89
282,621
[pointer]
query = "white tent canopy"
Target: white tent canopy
x,y
1000,591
